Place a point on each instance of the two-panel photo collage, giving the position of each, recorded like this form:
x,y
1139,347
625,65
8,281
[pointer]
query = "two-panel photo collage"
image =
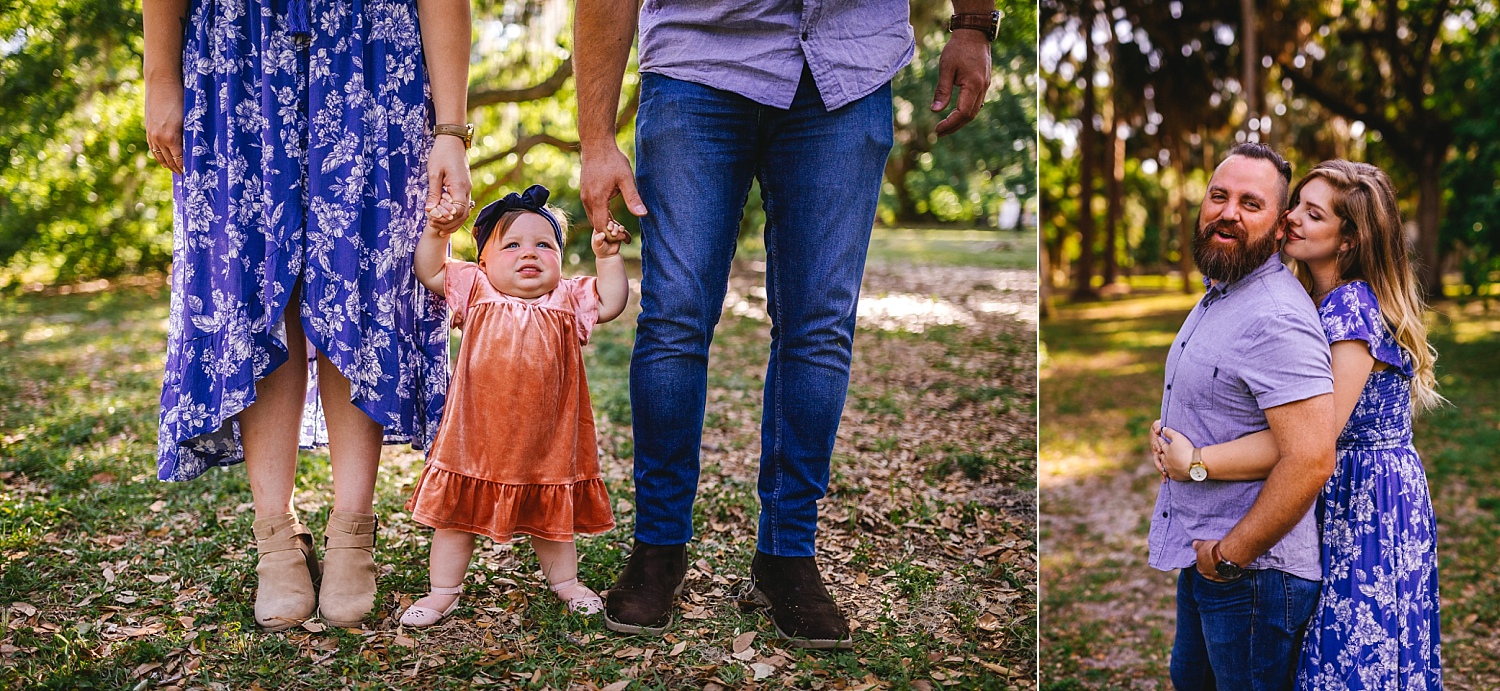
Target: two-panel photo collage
x,y
854,345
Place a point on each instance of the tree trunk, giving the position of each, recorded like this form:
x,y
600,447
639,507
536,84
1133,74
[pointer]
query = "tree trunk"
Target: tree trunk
x,y
1429,218
1083,277
1044,284
1249,61
1184,223
1115,157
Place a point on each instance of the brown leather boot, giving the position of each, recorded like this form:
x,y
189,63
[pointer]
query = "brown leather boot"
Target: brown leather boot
x,y
792,591
286,573
641,601
348,592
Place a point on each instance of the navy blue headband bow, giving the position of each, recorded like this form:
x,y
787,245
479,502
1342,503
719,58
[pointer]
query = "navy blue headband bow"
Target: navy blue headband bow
x,y
534,199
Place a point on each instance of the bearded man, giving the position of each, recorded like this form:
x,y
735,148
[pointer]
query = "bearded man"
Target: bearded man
x,y
1250,356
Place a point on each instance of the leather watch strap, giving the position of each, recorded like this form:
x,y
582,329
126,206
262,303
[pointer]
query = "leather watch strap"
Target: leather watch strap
x,y
464,132
986,23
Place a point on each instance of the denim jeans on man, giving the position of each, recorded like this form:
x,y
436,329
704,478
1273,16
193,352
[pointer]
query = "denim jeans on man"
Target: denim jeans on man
x,y
698,149
1245,634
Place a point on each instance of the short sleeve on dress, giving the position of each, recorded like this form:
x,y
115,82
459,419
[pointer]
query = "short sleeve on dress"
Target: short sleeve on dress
x,y
1351,313
585,305
458,283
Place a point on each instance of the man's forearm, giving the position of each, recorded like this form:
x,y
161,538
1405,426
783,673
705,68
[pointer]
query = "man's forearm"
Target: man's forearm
x,y
1307,461
602,34
973,6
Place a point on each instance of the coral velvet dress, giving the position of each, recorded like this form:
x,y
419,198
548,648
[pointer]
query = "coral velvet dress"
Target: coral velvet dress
x,y
515,449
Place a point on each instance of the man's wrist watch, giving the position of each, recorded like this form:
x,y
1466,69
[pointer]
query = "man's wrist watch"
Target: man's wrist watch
x,y
464,132
987,23
1196,470
1226,569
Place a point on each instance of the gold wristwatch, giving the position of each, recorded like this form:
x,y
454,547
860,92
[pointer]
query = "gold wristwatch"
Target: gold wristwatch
x,y
464,132
1196,470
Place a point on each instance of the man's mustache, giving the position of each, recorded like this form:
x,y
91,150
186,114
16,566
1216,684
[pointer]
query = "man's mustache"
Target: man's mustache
x,y
1227,227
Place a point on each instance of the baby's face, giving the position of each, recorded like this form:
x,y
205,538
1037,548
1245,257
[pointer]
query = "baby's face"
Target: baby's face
x,y
526,262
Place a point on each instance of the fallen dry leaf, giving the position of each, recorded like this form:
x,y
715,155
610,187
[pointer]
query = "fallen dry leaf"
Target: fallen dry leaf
x,y
158,505
25,609
404,641
619,685
677,649
314,626
742,641
762,670
158,578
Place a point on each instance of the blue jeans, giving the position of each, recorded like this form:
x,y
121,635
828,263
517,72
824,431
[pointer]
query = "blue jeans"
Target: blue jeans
x,y
1240,635
698,149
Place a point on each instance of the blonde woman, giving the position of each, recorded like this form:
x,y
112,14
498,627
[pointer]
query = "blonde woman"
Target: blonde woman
x,y
1376,625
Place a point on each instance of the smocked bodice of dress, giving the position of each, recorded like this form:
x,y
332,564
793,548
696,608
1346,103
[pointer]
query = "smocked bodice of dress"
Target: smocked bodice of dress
x,y
1382,417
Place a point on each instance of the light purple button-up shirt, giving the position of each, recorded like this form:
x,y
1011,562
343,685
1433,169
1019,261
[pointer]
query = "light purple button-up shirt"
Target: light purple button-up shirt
x,y
757,49
1247,346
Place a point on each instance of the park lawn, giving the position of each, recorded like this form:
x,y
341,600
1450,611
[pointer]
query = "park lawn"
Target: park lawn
x,y
111,579
1107,618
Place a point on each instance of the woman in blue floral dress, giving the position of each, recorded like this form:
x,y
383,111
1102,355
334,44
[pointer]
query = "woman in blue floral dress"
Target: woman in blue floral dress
x,y
1376,625
301,138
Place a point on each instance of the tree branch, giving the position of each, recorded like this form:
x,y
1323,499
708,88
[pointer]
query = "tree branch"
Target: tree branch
x,y
489,97
1351,110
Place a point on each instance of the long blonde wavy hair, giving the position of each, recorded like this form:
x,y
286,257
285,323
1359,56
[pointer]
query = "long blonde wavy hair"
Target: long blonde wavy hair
x,y
1365,202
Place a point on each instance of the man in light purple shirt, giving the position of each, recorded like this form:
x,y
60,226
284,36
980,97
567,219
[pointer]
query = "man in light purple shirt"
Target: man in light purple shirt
x,y
795,95
1250,356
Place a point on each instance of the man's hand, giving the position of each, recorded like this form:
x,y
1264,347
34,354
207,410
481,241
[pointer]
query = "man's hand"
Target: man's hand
x,y
605,174
965,63
1207,566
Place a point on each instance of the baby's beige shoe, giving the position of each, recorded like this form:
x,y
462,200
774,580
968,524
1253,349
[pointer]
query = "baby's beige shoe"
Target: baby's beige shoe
x,y
348,592
286,573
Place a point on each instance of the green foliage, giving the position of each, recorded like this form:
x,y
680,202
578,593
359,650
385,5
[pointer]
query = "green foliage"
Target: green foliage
x,y
966,176
79,194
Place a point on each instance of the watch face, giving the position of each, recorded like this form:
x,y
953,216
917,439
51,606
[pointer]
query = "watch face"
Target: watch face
x,y
1228,571
1198,473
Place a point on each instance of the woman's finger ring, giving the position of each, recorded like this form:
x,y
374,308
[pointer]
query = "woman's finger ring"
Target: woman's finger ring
x,y
156,152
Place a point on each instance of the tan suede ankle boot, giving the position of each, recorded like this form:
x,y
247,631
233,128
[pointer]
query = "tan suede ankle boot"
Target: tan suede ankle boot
x,y
348,592
286,572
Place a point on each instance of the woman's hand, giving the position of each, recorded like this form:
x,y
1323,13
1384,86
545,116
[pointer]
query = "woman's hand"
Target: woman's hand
x,y
1176,455
607,242
163,119
448,186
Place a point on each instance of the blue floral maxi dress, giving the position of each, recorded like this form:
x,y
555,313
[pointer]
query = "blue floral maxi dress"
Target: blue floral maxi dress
x,y
1376,626
306,134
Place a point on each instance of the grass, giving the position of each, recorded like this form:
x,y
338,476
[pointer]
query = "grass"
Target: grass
x,y
110,579
1107,617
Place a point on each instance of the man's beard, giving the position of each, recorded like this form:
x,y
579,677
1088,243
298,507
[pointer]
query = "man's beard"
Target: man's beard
x,y
1231,263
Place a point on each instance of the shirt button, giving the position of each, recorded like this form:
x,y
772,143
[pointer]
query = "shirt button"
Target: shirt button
x,y
1163,514
804,35
1169,387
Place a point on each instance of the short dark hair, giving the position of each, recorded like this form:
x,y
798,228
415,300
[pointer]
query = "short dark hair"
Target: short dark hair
x,y
1266,153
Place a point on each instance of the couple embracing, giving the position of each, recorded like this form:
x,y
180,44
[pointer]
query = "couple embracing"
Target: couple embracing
x,y
319,152
1292,498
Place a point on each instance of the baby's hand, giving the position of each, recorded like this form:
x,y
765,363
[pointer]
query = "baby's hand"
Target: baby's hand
x,y
607,241
446,217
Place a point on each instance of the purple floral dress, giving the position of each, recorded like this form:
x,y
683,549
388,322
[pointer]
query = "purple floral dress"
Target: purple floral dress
x,y
1376,626
305,137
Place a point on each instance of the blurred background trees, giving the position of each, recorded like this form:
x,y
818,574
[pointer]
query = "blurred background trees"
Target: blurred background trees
x,y
80,197
1143,97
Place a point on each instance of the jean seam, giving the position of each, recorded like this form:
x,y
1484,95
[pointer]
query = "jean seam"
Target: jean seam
x,y
774,453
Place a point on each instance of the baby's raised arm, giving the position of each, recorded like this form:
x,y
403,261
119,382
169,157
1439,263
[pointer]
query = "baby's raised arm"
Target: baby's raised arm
x,y
431,259
612,284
